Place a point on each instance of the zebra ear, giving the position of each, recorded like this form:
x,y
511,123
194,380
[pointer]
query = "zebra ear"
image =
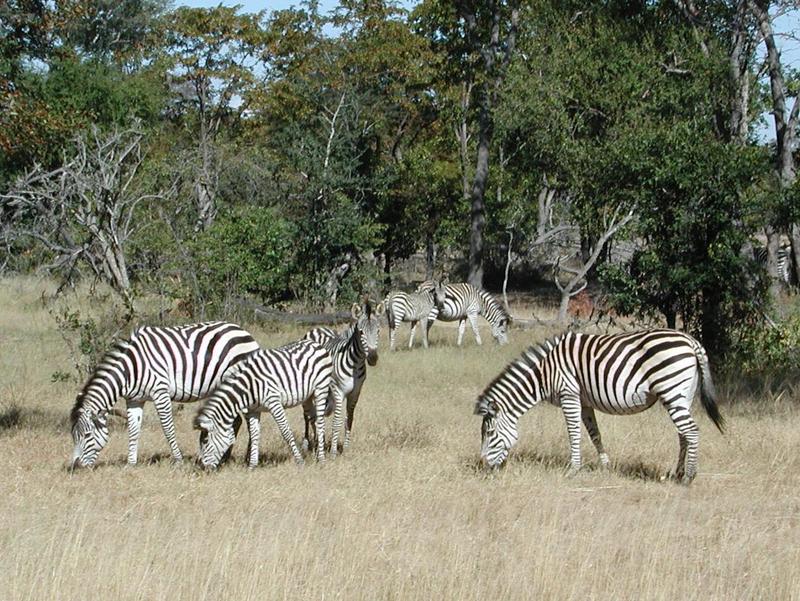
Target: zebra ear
x,y
100,420
203,423
356,311
379,309
486,407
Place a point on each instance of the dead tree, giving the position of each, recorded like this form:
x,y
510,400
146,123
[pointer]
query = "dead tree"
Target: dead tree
x,y
85,211
578,281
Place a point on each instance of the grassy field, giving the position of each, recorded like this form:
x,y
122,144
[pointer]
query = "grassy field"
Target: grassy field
x,y
406,513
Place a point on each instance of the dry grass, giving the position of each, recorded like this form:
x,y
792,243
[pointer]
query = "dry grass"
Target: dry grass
x,y
406,514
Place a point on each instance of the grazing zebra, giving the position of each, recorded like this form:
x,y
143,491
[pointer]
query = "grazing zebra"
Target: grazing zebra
x,y
268,380
163,364
618,374
784,261
351,351
415,308
463,302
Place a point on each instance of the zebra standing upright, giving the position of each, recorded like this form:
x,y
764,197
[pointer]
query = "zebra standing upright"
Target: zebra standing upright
x,y
415,308
464,302
618,374
350,351
268,380
163,364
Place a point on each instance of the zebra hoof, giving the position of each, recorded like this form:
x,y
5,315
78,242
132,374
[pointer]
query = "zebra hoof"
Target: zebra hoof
x,y
572,471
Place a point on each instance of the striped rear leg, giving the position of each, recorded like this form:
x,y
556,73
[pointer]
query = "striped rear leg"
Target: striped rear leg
x,y
392,334
473,321
589,420
320,400
462,327
352,401
338,410
275,407
164,409
134,430
571,407
254,430
425,328
688,439
411,334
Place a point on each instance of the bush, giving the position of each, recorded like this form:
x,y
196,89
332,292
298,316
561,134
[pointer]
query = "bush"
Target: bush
x,y
247,251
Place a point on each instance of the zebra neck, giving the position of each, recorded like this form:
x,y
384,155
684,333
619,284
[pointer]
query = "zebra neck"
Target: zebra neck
x,y
350,345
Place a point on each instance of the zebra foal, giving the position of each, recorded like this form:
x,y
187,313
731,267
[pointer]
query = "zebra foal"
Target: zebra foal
x,y
163,364
268,380
617,374
464,302
350,351
415,308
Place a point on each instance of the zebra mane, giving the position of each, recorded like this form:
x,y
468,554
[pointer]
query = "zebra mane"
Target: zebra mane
x,y
529,359
490,301
117,348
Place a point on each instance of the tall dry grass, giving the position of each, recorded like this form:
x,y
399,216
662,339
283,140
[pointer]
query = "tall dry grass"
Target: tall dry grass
x,y
406,513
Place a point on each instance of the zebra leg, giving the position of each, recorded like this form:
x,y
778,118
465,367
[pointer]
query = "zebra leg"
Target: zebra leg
x,y
310,434
571,407
135,411
320,401
275,407
411,334
338,408
164,410
462,327
254,430
352,401
688,439
425,328
392,333
473,321
587,414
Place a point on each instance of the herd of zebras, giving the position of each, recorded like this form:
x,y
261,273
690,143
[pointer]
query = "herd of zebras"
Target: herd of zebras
x,y
324,372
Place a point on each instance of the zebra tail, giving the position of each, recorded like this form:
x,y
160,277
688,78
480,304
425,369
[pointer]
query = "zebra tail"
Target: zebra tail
x,y
708,394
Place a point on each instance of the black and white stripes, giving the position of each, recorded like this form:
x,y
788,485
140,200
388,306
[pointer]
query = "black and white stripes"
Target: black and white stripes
x,y
163,364
268,380
415,308
464,302
617,374
350,351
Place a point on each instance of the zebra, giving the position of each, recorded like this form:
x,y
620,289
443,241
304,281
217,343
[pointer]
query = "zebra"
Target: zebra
x,y
464,301
619,374
163,364
784,257
416,307
268,380
351,351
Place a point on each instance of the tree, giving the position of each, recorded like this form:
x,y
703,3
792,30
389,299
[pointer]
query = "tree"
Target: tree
x,y
84,212
214,53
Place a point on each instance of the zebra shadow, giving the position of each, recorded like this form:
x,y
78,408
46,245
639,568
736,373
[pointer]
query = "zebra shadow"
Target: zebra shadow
x,y
559,462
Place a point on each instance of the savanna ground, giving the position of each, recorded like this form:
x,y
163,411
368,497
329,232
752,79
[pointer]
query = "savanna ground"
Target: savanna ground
x,y
406,513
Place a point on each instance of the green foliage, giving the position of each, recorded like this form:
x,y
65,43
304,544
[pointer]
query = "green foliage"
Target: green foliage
x,y
760,348
248,251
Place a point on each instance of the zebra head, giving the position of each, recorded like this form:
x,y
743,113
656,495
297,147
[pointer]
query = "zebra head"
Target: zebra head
x,y
90,435
368,328
439,293
500,330
498,433
215,440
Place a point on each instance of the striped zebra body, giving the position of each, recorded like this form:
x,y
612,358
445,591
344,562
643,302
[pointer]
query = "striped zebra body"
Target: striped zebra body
x,y
415,308
163,364
464,302
617,374
350,351
271,380
784,257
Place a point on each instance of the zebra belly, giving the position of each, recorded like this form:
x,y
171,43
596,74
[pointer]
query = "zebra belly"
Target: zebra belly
x,y
628,404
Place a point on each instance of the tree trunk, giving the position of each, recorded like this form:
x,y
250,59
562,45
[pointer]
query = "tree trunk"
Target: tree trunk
x,y
430,256
478,205
564,305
